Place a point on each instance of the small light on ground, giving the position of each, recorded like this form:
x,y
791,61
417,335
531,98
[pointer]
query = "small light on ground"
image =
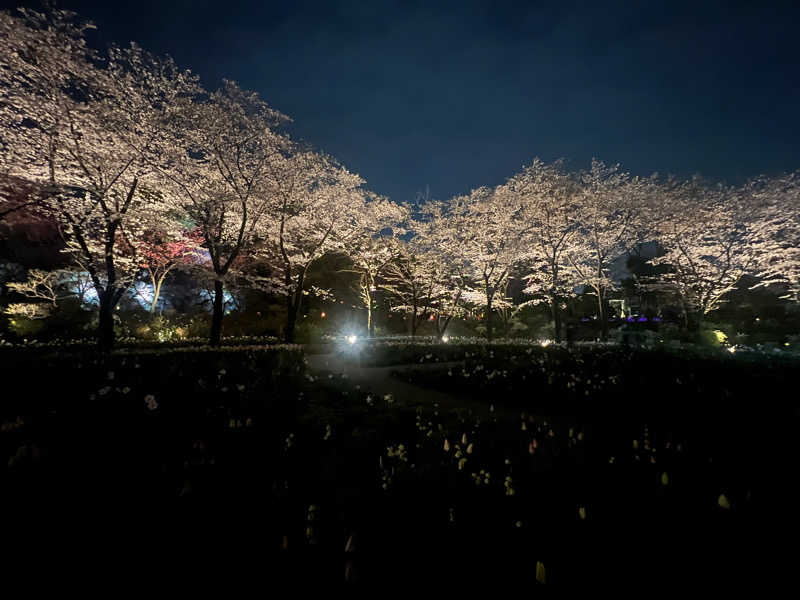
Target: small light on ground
x,y
446,338
352,339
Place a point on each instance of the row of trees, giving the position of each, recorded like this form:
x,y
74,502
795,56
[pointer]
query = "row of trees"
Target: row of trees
x,y
144,171
564,233
142,168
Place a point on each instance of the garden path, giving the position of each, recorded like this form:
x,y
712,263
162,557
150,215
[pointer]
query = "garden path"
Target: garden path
x,y
380,381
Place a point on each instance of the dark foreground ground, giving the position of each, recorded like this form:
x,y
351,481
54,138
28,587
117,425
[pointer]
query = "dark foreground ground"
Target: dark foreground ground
x,y
249,465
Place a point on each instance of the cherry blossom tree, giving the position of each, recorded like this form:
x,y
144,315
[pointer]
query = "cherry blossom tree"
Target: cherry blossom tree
x,y
43,286
47,289
608,212
160,252
426,278
317,210
411,278
84,133
778,204
374,246
489,228
441,261
713,235
220,148
370,259
549,196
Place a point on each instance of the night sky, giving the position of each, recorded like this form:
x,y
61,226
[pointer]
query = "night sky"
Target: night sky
x,y
458,95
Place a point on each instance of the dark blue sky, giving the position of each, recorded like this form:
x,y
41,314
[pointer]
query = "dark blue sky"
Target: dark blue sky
x,y
458,95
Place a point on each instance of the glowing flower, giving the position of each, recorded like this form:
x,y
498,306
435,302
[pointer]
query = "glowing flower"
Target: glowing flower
x,y
541,574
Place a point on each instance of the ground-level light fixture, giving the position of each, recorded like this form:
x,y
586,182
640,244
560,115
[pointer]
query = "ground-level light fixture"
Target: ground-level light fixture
x,y
352,339
445,338
322,314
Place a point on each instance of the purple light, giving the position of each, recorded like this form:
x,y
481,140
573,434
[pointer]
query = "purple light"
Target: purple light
x,y
642,319
656,318
584,319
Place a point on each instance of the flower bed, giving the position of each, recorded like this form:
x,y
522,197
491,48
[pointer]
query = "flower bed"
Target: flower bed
x,y
210,451
132,342
611,378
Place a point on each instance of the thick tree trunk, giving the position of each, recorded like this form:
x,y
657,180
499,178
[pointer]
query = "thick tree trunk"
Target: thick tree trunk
x,y
441,325
218,312
105,327
370,320
371,324
156,294
294,302
557,321
602,316
488,317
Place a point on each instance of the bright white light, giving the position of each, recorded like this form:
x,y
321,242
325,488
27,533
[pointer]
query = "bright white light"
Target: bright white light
x,y
732,349
352,339
545,343
445,338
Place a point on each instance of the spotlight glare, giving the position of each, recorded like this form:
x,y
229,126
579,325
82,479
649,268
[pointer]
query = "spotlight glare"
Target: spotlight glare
x,y
352,339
